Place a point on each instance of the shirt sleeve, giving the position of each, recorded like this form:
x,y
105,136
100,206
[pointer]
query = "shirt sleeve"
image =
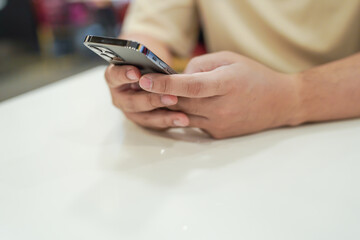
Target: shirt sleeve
x,y
173,22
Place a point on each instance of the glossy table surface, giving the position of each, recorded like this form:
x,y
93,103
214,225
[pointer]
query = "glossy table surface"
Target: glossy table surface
x,y
72,167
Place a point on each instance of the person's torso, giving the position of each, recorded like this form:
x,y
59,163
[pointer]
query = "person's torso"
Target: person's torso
x,y
286,35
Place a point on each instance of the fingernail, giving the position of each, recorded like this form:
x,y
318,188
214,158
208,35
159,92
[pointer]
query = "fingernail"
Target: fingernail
x,y
131,75
179,123
146,83
168,100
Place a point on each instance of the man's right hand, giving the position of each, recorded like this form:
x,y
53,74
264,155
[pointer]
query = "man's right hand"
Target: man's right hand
x,y
141,107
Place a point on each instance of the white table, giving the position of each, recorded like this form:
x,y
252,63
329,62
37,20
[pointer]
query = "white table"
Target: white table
x,y
71,167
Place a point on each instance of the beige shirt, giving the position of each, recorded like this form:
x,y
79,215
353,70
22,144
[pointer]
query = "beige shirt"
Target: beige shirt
x,y
286,35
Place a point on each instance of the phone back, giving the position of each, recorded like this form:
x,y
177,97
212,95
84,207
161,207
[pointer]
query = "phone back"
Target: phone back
x,y
124,52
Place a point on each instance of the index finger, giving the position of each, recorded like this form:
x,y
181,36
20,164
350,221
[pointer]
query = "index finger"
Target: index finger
x,y
196,85
119,75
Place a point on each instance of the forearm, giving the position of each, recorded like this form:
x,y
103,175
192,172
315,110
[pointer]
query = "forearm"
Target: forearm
x,y
330,91
158,47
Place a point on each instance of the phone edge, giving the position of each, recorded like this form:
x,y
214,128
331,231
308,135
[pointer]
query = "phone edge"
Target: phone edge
x,y
134,45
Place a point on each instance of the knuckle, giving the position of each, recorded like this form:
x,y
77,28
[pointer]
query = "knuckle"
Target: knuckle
x,y
152,101
166,122
145,119
194,60
195,88
165,86
114,75
110,76
128,105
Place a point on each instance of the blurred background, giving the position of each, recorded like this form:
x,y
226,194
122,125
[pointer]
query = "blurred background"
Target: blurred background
x,y
41,40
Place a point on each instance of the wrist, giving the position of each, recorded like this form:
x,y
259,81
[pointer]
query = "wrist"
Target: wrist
x,y
294,107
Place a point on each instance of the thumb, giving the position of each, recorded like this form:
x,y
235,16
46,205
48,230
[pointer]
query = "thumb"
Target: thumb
x,y
209,62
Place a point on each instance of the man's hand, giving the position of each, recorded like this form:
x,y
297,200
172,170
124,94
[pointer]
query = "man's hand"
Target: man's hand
x,y
141,107
226,95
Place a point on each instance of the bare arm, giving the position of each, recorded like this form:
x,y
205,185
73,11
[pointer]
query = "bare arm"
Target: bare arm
x,y
330,91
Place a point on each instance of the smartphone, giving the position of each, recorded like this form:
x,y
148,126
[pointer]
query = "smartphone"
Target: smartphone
x,y
125,52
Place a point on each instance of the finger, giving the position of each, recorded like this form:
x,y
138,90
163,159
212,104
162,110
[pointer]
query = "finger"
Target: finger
x,y
194,106
159,119
197,121
197,85
117,76
209,62
135,86
141,101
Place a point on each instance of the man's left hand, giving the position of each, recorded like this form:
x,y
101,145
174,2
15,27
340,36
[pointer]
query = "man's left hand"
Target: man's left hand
x,y
226,95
